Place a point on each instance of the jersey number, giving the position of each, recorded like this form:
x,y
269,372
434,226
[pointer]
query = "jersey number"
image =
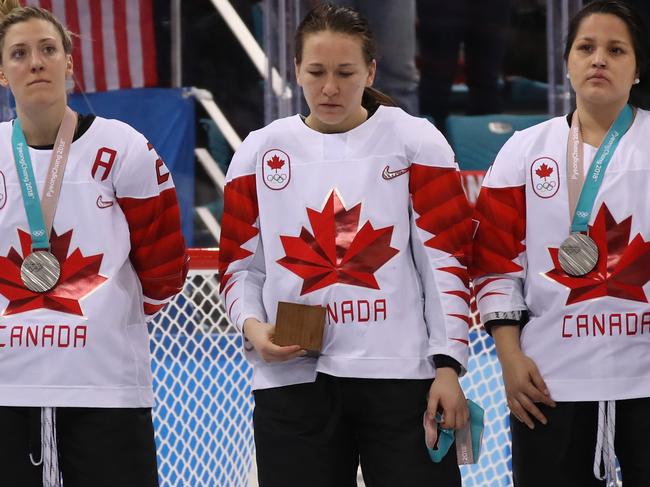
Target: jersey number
x,y
162,178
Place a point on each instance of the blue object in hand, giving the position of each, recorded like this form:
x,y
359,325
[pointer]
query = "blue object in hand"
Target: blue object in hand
x,y
446,436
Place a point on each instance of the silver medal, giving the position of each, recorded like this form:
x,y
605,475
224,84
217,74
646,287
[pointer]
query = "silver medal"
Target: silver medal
x,y
40,271
578,254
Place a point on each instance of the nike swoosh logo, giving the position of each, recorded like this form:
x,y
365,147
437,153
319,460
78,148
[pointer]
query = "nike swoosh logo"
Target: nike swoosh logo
x,y
103,204
387,174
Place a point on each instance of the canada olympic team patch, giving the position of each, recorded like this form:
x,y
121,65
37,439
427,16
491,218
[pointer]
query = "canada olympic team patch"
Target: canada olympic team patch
x,y
545,177
276,169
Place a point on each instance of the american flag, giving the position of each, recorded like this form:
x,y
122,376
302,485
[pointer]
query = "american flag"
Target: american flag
x,y
114,44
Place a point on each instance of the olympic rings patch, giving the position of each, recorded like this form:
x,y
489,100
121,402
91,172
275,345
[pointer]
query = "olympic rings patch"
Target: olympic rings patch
x,y
276,178
546,186
276,169
545,177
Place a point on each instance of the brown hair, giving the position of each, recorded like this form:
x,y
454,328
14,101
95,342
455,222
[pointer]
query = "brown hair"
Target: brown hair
x,y
12,13
343,20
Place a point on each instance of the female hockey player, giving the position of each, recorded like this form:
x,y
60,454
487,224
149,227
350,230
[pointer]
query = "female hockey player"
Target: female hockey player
x,y
90,245
358,208
562,264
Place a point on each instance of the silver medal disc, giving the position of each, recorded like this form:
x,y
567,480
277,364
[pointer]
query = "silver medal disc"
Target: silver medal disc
x,y
40,271
578,254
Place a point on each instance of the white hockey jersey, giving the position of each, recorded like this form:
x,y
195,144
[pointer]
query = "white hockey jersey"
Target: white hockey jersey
x,y
117,236
590,335
372,224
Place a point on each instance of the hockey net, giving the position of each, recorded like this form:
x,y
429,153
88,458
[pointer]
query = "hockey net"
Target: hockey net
x,y
204,403
203,412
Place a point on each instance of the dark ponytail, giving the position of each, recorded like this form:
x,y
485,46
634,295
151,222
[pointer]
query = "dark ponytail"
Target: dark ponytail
x,y
372,98
344,20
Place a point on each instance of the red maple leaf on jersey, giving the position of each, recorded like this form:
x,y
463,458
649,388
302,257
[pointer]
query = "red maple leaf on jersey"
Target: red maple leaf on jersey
x,y
79,277
338,250
622,269
275,163
544,171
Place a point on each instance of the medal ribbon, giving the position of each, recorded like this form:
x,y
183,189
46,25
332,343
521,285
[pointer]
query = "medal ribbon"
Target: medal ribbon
x,y
40,215
583,191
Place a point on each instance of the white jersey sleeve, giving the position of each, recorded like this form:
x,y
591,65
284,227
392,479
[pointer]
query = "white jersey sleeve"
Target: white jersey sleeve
x,y
241,254
145,191
440,238
499,257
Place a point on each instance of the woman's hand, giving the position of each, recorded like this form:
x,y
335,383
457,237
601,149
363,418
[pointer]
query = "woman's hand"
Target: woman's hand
x,y
523,382
261,337
445,394
524,387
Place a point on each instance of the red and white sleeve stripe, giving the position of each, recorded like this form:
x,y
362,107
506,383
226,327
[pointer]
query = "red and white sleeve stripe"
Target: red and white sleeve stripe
x,y
241,257
441,230
157,246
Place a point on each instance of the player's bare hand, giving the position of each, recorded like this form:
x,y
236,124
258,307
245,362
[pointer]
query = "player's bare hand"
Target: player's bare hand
x,y
446,396
525,387
261,337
